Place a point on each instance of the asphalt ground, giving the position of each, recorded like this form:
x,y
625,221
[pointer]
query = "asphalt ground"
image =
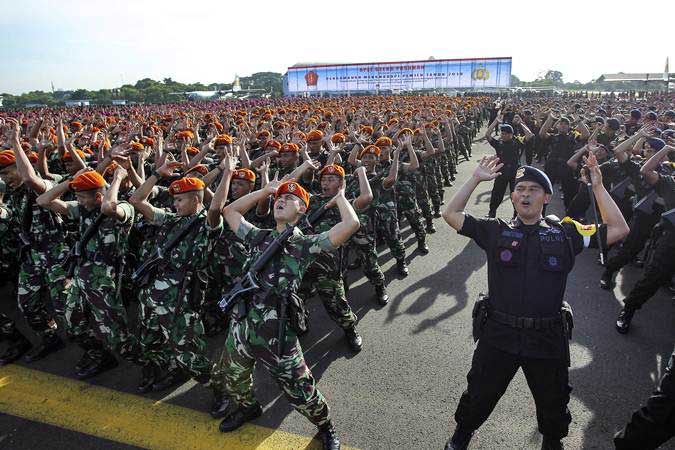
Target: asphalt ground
x,y
401,391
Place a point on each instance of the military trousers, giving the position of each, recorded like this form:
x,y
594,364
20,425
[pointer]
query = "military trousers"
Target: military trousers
x,y
255,339
491,372
640,230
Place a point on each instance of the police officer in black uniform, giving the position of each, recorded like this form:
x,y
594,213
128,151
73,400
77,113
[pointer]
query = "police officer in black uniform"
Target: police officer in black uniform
x,y
508,151
522,323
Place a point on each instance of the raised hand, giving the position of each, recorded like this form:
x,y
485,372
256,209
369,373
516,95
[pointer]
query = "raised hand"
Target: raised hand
x,y
488,169
591,164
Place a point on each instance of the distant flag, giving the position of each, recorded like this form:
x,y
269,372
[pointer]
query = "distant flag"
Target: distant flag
x,y
666,72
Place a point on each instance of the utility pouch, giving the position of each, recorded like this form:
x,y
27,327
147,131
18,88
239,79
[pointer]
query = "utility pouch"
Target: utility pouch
x,y
479,316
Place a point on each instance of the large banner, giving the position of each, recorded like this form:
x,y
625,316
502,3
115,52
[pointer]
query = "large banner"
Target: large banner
x,y
408,75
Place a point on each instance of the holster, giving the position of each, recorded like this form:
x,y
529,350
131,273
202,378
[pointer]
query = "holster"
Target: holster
x,y
567,326
479,316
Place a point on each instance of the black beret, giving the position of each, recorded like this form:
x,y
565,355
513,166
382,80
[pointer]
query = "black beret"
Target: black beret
x,y
635,113
529,173
614,124
651,115
506,128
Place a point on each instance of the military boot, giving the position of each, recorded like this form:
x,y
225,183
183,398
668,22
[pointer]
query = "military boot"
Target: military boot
x,y
381,294
328,437
18,346
430,226
437,211
422,246
84,361
447,183
550,443
50,343
606,280
240,416
402,267
173,378
149,375
460,440
354,339
624,319
99,365
221,404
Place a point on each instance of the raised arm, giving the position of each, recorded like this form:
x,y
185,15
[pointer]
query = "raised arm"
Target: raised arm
x,y
365,192
227,166
392,177
110,205
648,170
139,199
488,169
543,133
23,164
341,232
617,228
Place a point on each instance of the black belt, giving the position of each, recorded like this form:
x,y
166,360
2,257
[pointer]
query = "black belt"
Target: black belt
x,y
535,323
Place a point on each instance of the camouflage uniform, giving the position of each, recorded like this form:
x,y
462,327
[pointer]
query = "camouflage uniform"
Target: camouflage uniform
x,y
406,188
429,168
325,274
386,219
253,331
171,328
94,310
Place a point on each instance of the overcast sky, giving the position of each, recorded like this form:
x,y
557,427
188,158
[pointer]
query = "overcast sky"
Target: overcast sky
x,y
97,44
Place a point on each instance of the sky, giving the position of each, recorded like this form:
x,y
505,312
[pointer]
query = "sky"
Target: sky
x,y
97,44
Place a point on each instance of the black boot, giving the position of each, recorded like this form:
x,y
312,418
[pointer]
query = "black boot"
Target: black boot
x,y
18,346
149,375
447,183
460,440
550,443
50,343
328,437
240,416
84,361
437,211
624,319
422,246
430,226
402,267
102,364
606,280
221,404
381,294
173,378
354,339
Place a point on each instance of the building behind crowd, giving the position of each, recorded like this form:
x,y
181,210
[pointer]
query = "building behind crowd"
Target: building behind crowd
x,y
400,77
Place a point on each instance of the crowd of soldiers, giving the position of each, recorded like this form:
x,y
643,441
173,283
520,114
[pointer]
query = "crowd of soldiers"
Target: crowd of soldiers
x,y
171,207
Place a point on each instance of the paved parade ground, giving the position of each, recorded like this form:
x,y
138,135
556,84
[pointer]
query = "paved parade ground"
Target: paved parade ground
x,y
400,392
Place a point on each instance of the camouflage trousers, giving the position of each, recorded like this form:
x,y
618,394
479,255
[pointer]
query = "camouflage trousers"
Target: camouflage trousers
x,y
408,207
171,330
254,339
95,313
445,165
7,327
433,188
41,280
363,241
329,285
387,228
422,197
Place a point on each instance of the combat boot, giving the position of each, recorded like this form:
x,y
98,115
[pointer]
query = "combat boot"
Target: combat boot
x,y
624,319
328,437
50,343
149,375
460,440
173,378
18,346
402,267
221,404
381,294
240,416
422,247
447,183
430,226
606,280
354,339
84,361
550,443
106,362
437,211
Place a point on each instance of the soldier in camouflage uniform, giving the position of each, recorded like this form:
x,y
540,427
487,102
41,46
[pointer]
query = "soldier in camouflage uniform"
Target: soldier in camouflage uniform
x,y
325,275
171,328
42,238
254,329
95,313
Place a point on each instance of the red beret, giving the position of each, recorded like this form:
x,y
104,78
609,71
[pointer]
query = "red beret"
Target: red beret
x,y
293,188
137,146
291,147
338,138
263,134
333,169
192,151
405,131
383,141
7,158
186,185
87,181
244,174
68,157
201,168
371,149
186,134
367,129
273,143
314,135
223,139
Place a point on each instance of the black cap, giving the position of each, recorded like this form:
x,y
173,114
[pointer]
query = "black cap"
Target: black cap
x,y
651,115
670,113
614,124
506,128
635,113
529,173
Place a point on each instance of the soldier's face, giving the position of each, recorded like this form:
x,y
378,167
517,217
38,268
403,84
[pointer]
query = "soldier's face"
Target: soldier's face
x,y
89,199
288,159
288,208
186,204
369,161
11,177
529,199
330,185
239,188
314,146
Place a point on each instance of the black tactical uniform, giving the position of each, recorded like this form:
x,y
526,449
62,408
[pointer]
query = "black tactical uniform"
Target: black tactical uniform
x,y
509,155
562,148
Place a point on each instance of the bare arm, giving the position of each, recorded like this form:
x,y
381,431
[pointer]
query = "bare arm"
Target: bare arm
x,y
365,192
341,232
228,165
648,170
51,199
110,206
392,177
617,228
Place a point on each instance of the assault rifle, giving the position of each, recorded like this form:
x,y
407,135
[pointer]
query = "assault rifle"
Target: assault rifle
x,y
74,257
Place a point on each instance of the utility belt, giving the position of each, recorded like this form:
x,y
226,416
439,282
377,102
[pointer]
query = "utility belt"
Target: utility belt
x,y
527,323
291,309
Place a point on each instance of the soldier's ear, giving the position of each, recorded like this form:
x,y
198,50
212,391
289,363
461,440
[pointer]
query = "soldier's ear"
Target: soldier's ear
x,y
99,197
547,199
